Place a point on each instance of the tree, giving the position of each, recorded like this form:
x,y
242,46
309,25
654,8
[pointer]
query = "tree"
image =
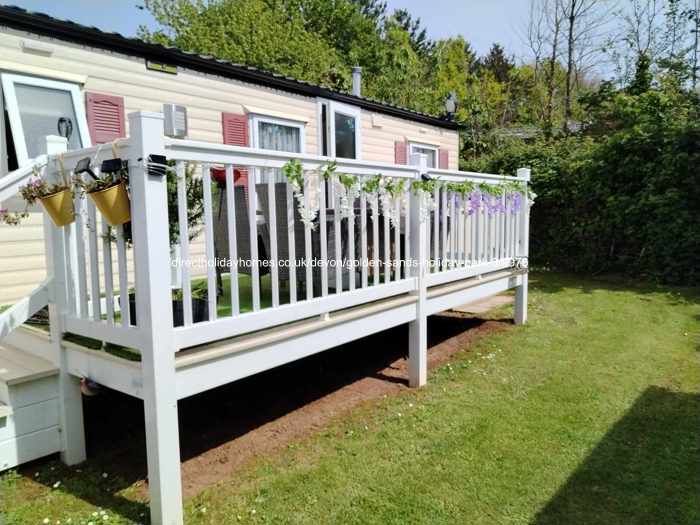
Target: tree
x,y
536,33
418,35
251,33
497,63
584,20
555,21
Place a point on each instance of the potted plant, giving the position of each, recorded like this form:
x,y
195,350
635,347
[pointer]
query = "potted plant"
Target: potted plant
x,y
108,190
200,306
56,198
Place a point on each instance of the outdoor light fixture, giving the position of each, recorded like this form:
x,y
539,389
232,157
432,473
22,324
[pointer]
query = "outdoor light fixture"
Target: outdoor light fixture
x,y
112,165
83,166
65,127
451,105
157,165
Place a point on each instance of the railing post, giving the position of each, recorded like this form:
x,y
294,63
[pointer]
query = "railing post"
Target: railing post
x,y
149,209
418,329
523,251
70,398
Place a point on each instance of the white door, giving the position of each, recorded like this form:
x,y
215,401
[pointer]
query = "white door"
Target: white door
x,y
344,124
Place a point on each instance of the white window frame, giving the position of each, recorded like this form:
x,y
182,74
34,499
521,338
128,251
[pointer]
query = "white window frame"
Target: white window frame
x,y
8,87
423,145
256,119
332,108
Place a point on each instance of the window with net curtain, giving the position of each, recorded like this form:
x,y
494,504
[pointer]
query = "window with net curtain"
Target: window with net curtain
x,y
429,152
278,137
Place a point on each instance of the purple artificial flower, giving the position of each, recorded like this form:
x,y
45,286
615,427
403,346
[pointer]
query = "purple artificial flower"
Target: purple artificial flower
x,y
517,202
474,202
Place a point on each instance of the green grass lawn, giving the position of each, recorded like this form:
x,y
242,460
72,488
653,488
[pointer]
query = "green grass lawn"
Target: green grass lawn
x,y
590,414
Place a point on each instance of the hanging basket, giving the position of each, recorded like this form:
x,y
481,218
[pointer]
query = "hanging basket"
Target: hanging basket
x,y
113,203
59,206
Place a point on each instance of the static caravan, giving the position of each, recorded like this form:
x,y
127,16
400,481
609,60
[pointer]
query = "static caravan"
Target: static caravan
x,y
52,69
359,206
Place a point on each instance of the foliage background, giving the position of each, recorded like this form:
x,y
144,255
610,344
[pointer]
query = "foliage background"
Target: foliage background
x,y
616,181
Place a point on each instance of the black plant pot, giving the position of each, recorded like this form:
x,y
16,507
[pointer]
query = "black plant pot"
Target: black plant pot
x,y
200,310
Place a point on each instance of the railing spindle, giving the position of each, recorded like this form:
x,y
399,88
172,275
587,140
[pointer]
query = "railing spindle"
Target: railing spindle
x,y
375,243
436,231
363,238
124,309
272,228
324,237
337,243
387,248
291,241
184,237
253,226
94,263
397,241
453,233
442,208
232,240
351,247
108,275
407,240
79,204
69,251
209,242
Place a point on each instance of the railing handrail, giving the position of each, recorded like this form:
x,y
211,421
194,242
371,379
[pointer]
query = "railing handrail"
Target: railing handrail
x,y
10,183
212,153
456,175
21,311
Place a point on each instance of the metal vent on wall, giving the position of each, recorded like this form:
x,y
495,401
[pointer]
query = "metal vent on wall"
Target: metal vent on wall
x,y
175,121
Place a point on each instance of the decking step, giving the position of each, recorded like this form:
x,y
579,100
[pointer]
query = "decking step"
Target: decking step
x,y
25,379
5,410
29,425
18,367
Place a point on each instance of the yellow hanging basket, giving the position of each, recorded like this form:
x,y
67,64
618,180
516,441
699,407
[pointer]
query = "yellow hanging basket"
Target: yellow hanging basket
x,y
113,203
59,206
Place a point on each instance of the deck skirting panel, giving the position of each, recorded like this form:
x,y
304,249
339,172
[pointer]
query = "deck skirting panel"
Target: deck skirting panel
x,y
236,365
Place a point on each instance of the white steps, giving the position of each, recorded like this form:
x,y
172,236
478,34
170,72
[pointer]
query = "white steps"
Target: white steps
x,y
29,407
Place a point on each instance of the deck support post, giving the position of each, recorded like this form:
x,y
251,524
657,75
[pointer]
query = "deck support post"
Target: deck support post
x,y
521,301
69,396
418,329
154,313
520,313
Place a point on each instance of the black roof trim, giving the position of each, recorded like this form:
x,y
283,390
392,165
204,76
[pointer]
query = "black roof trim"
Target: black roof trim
x,y
42,24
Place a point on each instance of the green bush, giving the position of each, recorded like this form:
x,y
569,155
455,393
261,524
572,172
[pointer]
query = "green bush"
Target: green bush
x,y
623,196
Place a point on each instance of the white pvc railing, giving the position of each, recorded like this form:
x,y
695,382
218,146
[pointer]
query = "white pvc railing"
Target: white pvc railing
x,y
97,266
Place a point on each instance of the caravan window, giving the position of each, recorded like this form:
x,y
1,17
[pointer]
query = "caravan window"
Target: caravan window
x,y
278,134
431,152
36,108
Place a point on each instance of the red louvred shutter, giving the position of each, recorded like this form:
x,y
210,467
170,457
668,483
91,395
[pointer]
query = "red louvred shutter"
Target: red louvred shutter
x,y
400,152
444,159
235,131
235,128
105,116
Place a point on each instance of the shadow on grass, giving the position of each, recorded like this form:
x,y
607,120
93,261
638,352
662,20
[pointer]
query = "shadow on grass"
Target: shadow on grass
x,y
114,422
644,471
